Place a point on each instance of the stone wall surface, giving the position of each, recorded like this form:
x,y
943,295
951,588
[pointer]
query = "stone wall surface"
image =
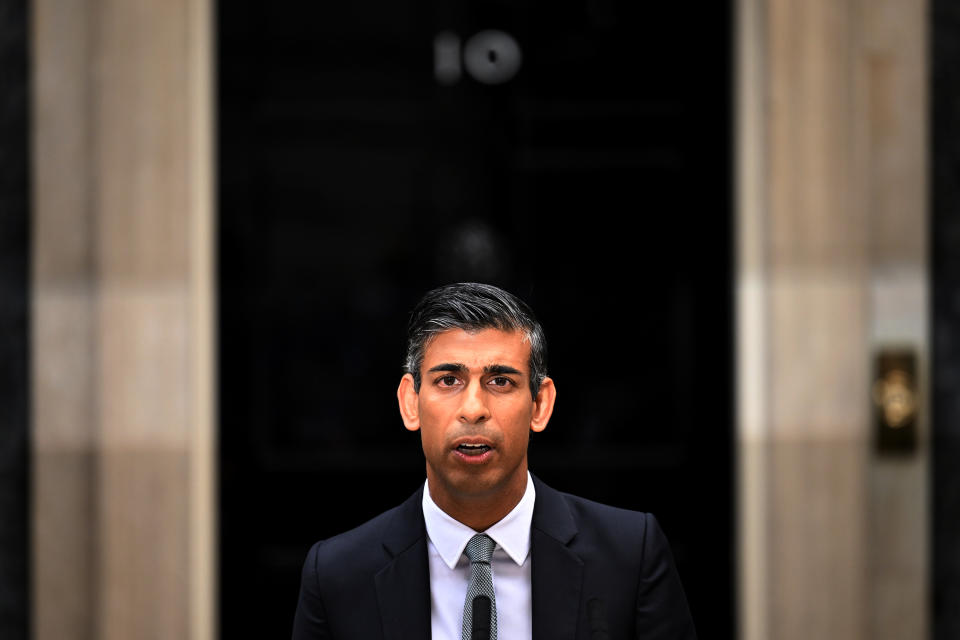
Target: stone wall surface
x,y
121,377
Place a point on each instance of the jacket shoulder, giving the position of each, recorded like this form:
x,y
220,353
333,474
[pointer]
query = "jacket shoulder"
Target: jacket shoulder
x,y
357,553
627,563
584,510
614,528
364,550
604,532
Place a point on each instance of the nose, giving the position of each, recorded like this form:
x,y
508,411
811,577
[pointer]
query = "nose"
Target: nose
x,y
473,409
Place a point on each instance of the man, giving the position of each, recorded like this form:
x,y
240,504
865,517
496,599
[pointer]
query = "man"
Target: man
x,y
484,549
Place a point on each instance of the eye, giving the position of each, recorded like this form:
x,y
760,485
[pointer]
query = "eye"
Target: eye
x,y
501,381
447,381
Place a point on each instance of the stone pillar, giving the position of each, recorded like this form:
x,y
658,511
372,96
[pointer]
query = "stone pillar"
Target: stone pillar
x,y
122,346
831,130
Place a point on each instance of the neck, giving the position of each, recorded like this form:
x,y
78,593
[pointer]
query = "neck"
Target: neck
x,y
478,511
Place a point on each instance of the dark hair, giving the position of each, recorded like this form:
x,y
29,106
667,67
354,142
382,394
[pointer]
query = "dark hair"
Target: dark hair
x,y
471,306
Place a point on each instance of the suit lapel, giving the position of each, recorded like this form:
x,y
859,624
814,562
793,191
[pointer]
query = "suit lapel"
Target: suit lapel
x,y
403,585
557,571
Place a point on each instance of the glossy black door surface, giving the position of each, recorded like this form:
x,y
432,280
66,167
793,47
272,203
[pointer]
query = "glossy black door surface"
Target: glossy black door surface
x,y
594,182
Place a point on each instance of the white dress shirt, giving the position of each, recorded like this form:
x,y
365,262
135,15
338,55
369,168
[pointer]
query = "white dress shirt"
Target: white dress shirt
x,y
450,569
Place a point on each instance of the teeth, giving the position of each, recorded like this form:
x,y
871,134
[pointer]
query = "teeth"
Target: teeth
x,y
473,446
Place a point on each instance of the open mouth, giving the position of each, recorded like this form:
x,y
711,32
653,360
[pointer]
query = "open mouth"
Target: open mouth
x,y
473,449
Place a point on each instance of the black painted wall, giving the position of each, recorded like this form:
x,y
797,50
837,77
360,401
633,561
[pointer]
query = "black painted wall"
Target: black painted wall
x,y
945,274
14,211
595,184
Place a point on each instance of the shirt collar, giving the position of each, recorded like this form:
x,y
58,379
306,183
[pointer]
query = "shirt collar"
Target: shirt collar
x,y
450,537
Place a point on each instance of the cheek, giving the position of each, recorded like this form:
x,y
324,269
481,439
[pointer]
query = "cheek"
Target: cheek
x,y
431,423
430,412
519,411
518,423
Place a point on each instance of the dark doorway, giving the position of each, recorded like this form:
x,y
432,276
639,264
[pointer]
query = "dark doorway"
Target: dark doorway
x,y
365,156
14,321
945,278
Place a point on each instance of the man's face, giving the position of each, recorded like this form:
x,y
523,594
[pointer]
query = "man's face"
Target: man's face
x,y
474,412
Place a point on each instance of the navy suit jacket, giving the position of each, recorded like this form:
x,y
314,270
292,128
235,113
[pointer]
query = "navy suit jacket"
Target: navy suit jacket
x,y
598,572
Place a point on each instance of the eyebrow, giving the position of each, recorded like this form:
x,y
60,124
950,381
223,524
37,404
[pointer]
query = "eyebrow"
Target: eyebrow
x,y
501,368
455,367
458,367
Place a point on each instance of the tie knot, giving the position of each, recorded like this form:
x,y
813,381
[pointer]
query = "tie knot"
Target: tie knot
x,y
480,548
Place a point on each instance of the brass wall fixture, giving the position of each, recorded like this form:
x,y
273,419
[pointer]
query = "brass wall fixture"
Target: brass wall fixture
x,y
895,400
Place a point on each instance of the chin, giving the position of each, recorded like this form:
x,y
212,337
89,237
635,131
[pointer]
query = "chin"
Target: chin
x,y
474,485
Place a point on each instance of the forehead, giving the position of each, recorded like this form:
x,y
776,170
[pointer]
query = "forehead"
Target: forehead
x,y
478,348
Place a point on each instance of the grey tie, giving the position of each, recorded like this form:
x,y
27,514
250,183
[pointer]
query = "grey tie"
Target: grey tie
x,y
479,550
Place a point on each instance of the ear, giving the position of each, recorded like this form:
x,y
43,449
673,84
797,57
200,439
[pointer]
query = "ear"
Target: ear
x,y
543,405
408,398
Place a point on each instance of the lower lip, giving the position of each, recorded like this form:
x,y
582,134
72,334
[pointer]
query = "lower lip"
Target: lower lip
x,y
474,459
